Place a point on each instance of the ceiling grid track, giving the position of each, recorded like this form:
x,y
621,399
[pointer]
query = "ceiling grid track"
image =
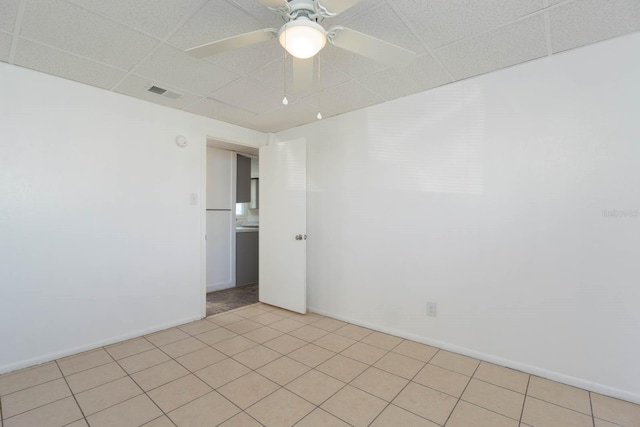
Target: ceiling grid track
x,y
16,30
547,27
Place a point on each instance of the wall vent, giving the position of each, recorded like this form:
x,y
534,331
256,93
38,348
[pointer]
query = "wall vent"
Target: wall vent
x,y
164,92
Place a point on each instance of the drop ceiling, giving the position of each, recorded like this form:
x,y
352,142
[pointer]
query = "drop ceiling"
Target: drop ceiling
x,y
127,46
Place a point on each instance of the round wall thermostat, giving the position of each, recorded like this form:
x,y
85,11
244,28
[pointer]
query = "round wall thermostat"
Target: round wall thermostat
x,y
181,141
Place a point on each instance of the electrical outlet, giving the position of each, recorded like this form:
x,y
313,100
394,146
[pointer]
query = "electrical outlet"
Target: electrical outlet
x,y
432,309
193,199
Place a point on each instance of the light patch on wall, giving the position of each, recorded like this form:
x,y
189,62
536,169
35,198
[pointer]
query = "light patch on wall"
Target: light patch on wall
x,y
449,161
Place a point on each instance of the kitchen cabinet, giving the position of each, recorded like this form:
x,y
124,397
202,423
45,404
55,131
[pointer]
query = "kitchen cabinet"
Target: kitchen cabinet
x,y
243,179
246,257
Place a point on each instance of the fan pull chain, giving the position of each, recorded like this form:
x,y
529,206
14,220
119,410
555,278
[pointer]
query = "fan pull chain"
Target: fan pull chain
x,y
285,101
319,116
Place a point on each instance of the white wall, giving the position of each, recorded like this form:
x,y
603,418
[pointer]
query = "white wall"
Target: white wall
x,y
487,196
98,239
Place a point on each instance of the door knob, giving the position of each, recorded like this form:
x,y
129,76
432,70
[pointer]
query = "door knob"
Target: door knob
x,y
298,236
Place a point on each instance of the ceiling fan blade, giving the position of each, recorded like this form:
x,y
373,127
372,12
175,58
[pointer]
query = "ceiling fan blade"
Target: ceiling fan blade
x,y
371,47
302,75
334,7
235,42
274,4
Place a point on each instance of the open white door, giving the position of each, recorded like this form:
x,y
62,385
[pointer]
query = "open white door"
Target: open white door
x,y
283,222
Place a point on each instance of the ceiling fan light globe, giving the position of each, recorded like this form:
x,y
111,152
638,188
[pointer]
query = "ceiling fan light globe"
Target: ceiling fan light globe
x,y
303,38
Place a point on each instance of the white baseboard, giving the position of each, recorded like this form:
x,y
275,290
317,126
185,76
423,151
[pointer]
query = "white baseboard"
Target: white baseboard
x,y
97,344
533,370
219,286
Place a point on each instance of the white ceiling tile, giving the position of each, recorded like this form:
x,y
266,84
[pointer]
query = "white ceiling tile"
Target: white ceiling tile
x,y
248,59
385,24
8,12
285,117
348,62
179,69
260,12
440,22
249,95
62,64
216,20
137,86
155,17
346,97
422,74
272,76
217,110
364,6
588,21
69,27
518,42
5,46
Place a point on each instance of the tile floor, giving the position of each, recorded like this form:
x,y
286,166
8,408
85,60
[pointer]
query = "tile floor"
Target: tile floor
x,y
232,298
263,366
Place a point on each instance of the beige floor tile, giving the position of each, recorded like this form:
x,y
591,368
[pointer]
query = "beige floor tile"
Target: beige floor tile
x,y
166,337
466,415
380,383
385,341
25,378
394,416
494,398
329,324
334,342
243,326
286,325
81,423
615,410
427,403
308,333
282,312
315,386
106,395
307,318
129,348
142,361
215,336
209,410
247,390
311,355
560,394
416,350
201,359
542,414
198,327
34,397
443,380
455,362
234,345
342,368
364,353
225,319
285,344
163,421
354,406
84,361
249,312
263,334
222,372
182,347
602,423
132,413
56,414
504,377
257,356
320,418
283,370
179,392
241,420
159,375
353,331
91,378
267,318
400,365
281,408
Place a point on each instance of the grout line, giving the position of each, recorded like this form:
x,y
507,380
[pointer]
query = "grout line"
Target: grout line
x,y
72,394
526,392
593,417
462,394
16,30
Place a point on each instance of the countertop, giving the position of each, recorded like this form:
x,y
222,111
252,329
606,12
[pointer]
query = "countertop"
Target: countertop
x,y
243,229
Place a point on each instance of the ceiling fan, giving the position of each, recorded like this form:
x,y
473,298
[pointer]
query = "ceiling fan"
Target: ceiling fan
x,y
303,36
